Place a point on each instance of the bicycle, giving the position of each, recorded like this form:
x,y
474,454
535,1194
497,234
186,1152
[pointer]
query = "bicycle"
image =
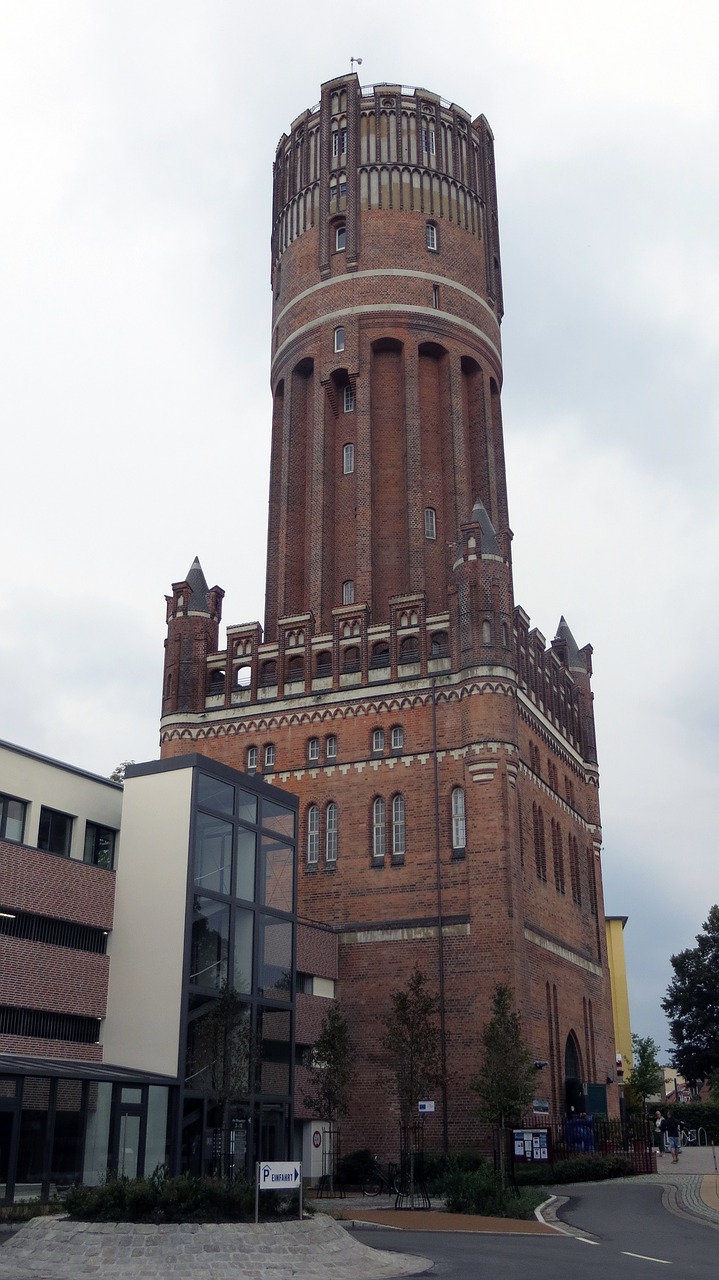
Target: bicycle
x,y
687,1137
376,1180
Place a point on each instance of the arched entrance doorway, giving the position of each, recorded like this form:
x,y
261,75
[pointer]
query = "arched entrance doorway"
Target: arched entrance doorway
x,y
574,1099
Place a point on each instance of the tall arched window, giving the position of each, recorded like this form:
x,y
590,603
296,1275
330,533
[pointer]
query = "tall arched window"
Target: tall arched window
x,y
313,833
398,827
459,825
379,834
574,871
331,823
558,857
540,853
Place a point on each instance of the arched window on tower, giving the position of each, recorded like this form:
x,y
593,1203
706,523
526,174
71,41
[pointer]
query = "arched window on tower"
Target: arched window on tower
x,y
339,339
268,674
380,655
439,645
331,825
409,650
379,834
557,857
313,834
323,665
398,827
459,825
540,853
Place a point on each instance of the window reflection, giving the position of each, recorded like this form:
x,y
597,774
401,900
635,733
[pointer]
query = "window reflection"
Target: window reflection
x,y
275,977
246,843
213,853
215,794
278,819
277,874
242,969
210,942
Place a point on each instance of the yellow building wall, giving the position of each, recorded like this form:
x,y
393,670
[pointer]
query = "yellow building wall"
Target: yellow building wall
x,y
620,992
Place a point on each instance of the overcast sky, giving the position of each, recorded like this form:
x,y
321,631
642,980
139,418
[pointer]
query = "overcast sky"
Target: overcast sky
x,y
136,148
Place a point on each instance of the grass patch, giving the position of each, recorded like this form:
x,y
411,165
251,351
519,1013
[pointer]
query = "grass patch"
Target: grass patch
x,y
24,1210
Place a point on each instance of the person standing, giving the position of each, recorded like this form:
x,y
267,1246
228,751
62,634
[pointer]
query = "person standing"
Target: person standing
x,y
673,1136
660,1126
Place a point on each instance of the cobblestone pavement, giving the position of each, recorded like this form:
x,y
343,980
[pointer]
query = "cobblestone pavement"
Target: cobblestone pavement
x,y
316,1249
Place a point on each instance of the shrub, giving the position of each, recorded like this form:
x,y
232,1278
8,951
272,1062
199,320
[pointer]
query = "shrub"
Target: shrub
x,y
182,1199
579,1168
479,1190
695,1115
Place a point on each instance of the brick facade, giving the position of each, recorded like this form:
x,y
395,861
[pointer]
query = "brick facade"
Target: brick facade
x,y
428,689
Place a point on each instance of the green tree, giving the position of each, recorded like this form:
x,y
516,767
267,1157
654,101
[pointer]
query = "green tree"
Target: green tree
x,y
331,1075
506,1080
118,773
230,1047
692,1004
646,1076
411,1046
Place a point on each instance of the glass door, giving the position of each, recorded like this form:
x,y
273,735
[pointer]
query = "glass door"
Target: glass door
x,y
7,1177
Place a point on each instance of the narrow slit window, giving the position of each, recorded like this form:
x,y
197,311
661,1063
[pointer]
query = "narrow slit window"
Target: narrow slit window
x,y
431,237
459,825
349,399
331,832
339,339
430,523
378,829
313,834
348,459
341,238
398,827
348,592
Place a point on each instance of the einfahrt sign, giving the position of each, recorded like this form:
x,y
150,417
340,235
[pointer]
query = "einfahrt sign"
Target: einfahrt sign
x,y
278,1175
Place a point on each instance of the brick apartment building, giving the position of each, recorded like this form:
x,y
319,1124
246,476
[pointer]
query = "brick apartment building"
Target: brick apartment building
x,y
442,752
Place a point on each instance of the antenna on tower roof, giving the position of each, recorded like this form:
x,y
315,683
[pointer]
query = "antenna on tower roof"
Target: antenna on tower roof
x,y
352,64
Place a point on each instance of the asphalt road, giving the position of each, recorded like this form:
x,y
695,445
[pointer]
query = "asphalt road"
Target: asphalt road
x,y
636,1239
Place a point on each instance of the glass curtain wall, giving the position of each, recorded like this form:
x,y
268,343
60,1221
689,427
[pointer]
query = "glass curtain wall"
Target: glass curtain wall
x,y
239,1042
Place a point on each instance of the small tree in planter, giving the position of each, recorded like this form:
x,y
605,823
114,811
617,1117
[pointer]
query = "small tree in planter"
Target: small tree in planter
x,y
331,1076
411,1046
505,1083
232,1044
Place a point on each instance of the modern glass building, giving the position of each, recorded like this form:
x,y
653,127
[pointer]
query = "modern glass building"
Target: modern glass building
x,y
176,1044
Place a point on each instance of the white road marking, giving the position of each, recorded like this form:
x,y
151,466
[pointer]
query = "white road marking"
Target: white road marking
x,y
645,1258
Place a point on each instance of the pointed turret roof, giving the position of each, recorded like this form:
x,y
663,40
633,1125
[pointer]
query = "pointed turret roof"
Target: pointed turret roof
x,y
479,516
198,585
574,657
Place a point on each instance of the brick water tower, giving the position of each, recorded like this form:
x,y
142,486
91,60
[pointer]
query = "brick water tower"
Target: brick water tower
x,y
442,752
